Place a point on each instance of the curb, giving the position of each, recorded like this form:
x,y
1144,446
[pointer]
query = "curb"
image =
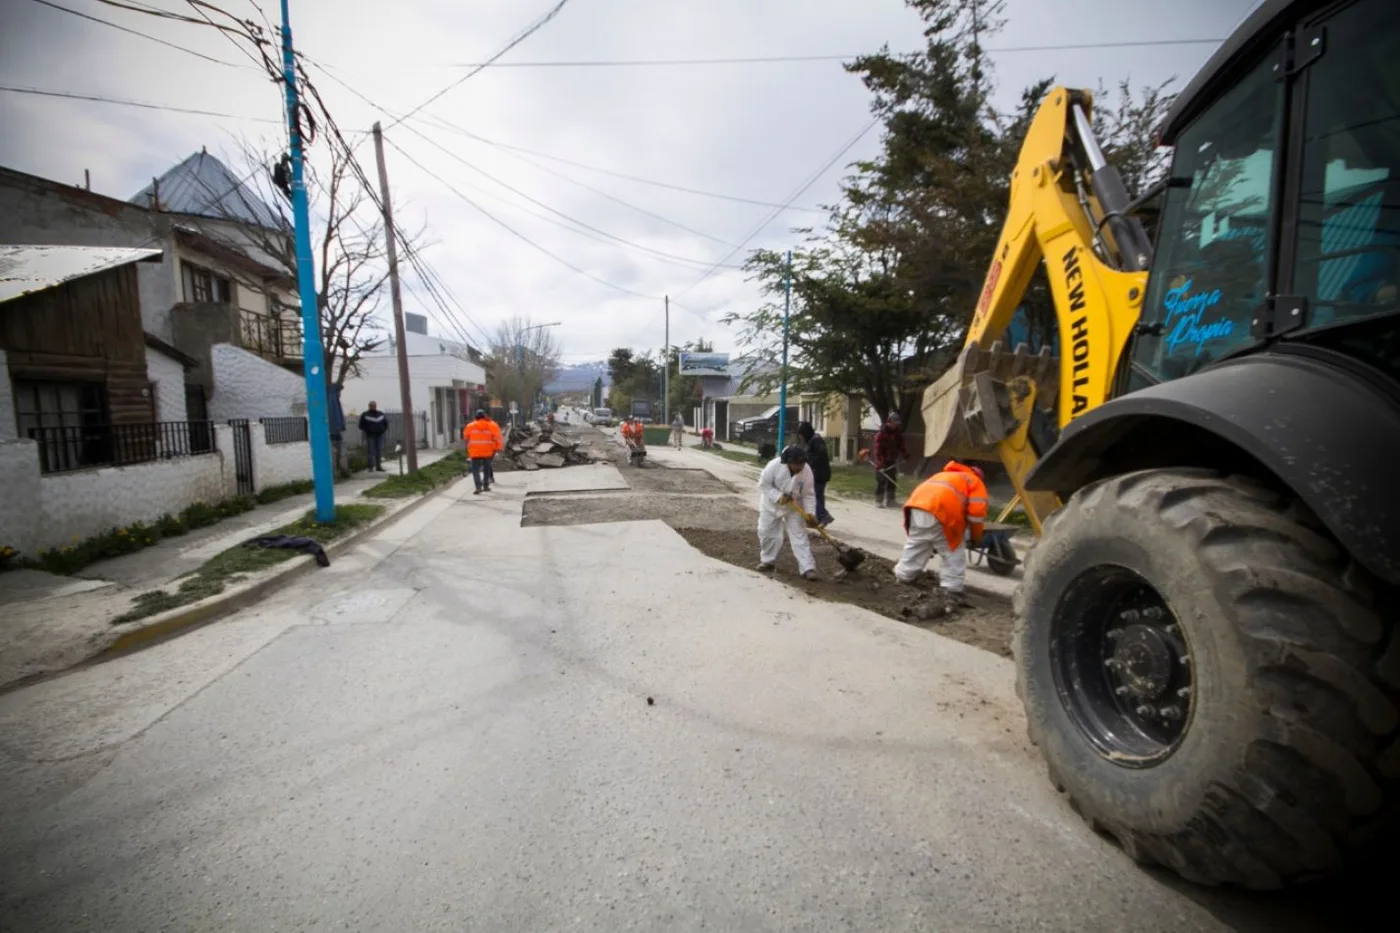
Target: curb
x,y
166,625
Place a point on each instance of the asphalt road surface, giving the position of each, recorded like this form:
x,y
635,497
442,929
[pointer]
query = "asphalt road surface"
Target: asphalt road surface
x,y
469,725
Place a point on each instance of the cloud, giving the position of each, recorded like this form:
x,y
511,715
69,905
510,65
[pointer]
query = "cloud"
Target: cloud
x,y
751,130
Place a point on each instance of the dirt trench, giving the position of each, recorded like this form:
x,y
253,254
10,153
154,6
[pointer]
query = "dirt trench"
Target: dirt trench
x,y
719,521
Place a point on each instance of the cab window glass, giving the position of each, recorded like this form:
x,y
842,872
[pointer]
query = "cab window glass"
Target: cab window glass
x,y
1212,261
1348,249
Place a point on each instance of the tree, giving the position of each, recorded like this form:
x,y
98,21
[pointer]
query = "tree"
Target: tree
x,y
884,292
632,376
524,357
348,251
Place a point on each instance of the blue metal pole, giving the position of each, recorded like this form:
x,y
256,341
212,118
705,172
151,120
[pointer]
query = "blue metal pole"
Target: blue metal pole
x,y
782,391
313,354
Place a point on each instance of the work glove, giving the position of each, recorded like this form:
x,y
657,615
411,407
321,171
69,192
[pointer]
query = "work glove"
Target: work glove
x,y
784,499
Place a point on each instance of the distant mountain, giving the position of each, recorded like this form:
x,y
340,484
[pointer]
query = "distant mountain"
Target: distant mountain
x,y
579,377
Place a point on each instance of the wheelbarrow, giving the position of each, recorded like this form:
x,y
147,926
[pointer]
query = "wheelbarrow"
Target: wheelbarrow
x,y
996,549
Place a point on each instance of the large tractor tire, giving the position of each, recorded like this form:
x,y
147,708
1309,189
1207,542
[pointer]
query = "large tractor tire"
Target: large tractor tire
x,y
1211,680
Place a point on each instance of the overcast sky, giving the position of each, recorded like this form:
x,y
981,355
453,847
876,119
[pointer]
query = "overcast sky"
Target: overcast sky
x,y
755,131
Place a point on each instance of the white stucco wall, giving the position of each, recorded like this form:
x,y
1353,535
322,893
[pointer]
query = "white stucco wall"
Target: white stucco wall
x,y
169,377
82,504
248,386
379,382
40,512
7,403
19,518
275,464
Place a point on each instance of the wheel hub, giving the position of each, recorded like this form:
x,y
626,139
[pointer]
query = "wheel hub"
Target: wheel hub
x,y
1123,666
1145,661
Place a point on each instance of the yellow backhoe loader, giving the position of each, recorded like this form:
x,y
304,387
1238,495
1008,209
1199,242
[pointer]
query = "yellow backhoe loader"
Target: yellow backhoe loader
x,y
1207,642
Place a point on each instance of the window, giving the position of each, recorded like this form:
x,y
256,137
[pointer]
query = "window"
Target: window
x,y
205,286
58,405
1212,262
68,420
1347,260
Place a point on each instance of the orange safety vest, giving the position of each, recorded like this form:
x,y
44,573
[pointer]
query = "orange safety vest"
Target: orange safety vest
x,y
631,431
483,438
956,497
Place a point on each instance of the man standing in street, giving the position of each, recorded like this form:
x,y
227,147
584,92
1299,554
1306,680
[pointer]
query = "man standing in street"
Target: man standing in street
x,y
678,431
820,462
889,450
373,425
483,438
785,480
941,511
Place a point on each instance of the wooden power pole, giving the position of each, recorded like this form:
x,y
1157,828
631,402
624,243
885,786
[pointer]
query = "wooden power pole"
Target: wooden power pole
x,y
410,440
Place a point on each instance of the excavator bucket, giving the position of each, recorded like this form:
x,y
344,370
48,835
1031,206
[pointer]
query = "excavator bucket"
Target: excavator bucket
x,y
968,410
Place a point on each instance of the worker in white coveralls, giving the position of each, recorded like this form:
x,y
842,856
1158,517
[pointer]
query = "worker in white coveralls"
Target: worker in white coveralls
x,y
942,511
785,481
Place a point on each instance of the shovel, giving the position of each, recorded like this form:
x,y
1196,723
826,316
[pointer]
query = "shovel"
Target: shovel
x,y
849,558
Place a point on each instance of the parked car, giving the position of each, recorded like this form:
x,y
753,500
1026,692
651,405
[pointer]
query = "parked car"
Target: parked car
x,y
764,427
603,417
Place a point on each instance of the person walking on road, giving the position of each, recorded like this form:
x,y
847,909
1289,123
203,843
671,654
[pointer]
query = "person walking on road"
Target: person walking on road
x,y
786,480
678,431
483,438
820,461
940,513
374,424
889,450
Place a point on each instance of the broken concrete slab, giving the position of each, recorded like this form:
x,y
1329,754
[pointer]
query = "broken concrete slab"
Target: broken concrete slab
x,y
550,460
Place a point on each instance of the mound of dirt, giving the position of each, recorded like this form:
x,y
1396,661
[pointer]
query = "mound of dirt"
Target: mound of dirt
x,y
985,624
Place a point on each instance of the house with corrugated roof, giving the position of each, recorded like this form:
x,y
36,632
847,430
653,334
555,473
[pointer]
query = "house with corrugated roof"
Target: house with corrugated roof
x,y
221,294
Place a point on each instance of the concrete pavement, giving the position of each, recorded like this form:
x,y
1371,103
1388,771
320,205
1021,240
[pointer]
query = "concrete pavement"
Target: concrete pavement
x,y
463,724
53,622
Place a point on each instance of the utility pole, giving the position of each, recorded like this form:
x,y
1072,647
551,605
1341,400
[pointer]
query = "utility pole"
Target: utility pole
x,y
313,353
410,439
782,391
666,369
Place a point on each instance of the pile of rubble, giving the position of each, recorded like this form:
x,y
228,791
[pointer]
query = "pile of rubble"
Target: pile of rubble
x,y
533,446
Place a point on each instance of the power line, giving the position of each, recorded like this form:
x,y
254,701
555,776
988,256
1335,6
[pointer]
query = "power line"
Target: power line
x,y
529,31
773,59
585,227
811,180
145,105
135,32
580,223
513,232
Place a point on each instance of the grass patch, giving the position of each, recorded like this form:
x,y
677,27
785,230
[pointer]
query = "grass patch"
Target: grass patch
x,y
735,453
426,479
297,487
238,562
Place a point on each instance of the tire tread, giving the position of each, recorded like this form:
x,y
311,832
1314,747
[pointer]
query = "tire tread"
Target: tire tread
x,y
1315,778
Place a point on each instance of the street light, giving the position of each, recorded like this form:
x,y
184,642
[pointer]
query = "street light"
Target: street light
x,y
520,353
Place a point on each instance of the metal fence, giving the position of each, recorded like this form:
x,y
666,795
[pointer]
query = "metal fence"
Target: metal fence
x,y
278,337
284,430
62,450
355,439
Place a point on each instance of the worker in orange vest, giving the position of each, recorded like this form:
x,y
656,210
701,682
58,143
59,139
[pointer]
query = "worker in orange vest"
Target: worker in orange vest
x,y
483,439
940,513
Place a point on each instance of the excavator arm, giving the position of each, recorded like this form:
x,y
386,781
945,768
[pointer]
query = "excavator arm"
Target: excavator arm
x,y
1069,208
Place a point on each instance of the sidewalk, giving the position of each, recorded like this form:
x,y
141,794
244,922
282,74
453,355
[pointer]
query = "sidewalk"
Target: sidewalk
x,y
858,523
52,622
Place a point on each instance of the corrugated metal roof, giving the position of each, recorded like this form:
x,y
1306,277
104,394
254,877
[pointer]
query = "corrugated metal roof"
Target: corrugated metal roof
x,y
28,269
204,186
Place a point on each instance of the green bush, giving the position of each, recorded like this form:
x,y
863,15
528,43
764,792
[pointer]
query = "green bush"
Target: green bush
x,y
116,542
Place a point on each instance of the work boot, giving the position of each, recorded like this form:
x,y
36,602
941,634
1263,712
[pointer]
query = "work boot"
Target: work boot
x,y
477,491
765,568
810,575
